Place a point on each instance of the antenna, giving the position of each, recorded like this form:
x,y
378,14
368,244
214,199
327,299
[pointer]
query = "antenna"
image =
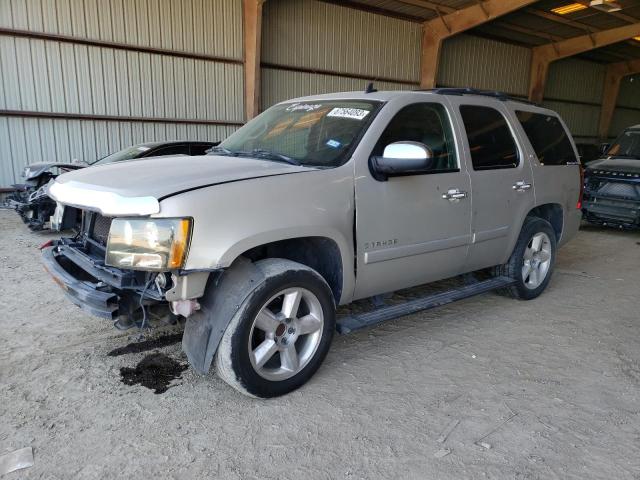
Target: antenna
x,y
370,88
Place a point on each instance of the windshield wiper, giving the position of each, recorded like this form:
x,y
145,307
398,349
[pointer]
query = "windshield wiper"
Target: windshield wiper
x,y
260,153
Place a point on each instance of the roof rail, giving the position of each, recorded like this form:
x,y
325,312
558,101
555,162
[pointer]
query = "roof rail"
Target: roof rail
x,y
475,91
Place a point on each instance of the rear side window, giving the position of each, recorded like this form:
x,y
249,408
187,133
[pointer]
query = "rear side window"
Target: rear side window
x,y
491,143
548,138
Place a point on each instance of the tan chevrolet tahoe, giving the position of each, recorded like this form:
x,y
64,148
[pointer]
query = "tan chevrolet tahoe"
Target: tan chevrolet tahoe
x,y
315,203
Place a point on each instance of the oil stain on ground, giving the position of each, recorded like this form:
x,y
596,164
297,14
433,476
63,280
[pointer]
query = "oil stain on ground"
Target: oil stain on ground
x,y
155,371
137,347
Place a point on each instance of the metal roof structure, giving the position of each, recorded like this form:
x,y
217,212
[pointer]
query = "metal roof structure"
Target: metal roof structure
x,y
531,26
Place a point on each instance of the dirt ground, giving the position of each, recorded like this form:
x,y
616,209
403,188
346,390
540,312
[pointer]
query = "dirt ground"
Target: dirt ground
x,y
552,386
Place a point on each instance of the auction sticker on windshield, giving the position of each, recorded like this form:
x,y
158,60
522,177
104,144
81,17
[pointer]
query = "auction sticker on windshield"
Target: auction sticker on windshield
x,y
355,113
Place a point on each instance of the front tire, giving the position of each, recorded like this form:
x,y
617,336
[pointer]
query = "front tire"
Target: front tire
x,y
532,261
282,332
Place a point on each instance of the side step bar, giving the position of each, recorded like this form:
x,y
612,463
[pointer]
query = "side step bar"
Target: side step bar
x,y
349,323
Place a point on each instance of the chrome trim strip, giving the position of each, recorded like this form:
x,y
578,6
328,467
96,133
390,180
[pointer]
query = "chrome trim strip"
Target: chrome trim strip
x,y
416,249
92,197
492,234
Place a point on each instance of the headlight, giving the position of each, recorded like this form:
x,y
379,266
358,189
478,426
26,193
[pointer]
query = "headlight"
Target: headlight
x,y
148,244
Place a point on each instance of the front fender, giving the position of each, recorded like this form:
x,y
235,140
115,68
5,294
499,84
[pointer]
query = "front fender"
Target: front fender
x,y
230,219
224,295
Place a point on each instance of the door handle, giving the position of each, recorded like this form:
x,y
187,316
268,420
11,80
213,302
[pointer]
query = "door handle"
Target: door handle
x,y
521,186
454,195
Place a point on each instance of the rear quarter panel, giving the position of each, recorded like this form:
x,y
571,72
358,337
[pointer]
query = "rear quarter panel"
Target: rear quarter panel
x,y
557,184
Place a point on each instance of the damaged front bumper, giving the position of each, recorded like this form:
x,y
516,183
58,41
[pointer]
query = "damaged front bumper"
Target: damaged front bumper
x,y
116,294
97,289
92,297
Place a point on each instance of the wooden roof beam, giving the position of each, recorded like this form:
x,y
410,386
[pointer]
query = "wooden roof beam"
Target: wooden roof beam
x,y
252,23
615,73
545,54
435,31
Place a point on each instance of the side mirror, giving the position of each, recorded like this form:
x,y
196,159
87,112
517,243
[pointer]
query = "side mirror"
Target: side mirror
x,y
402,158
604,147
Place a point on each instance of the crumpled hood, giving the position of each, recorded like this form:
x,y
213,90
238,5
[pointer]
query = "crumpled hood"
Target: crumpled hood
x,y
626,165
136,187
35,169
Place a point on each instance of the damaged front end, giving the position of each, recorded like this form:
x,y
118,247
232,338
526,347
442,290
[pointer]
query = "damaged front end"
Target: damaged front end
x,y
612,198
36,209
31,200
126,296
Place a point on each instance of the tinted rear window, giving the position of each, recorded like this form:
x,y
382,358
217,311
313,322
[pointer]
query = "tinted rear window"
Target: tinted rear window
x,y
490,140
548,138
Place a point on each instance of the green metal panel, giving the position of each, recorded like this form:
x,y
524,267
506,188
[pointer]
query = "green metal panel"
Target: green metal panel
x,y
575,79
317,35
623,118
211,27
279,85
629,95
470,61
50,76
581,119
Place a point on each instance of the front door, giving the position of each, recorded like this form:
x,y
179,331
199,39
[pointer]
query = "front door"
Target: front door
x,y
501,180
417,228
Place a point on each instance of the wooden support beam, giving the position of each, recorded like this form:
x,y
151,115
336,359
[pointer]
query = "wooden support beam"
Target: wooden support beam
x,y
543,55
435,31
252,23
615,73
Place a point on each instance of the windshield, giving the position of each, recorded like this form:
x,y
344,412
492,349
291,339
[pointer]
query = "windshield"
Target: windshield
x,y
626,145
316,133
126,154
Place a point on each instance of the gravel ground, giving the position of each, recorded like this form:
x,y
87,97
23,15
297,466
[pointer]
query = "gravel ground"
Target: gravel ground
x,y
551,387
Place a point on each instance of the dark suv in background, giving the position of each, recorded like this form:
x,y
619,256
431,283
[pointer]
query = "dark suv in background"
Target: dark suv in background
x,y
612,184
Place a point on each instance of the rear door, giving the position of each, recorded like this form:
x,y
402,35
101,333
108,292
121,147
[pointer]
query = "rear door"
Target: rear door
x,y
555,165
501,180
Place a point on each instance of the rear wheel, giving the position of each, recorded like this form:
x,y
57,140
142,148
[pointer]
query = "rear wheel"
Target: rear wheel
x,y
281,333
531,263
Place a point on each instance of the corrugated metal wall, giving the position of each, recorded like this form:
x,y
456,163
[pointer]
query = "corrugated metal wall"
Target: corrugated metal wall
x,y
469,61
574,89
313,47
179,73
628,109
46,75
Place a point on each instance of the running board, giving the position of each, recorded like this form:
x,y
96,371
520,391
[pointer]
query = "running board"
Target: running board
x,y
349,323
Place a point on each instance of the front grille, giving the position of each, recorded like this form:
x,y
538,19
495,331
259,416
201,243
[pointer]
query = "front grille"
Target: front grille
x,y
616,189
626,190
100,229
